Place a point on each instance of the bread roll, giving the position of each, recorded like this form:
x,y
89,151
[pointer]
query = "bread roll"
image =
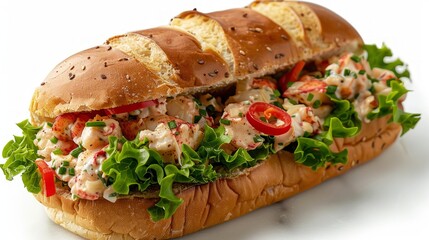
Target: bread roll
x,y
197,53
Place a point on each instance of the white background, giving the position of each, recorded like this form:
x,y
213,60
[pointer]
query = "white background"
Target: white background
x,y
386,198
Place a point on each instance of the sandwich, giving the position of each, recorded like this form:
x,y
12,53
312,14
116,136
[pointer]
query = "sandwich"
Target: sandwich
x,y
163,132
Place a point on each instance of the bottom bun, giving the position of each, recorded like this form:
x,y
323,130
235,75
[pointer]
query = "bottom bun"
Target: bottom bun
x,y
275,179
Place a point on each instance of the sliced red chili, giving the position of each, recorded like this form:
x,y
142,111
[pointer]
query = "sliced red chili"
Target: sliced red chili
x,y
291,76
130,107
48,178
270,115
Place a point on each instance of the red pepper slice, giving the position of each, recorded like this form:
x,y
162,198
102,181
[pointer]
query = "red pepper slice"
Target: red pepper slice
x,y
48,178
268,111
291,76
130,107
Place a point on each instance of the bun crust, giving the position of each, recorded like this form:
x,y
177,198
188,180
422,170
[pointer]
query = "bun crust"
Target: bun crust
x,y
275,179
196,53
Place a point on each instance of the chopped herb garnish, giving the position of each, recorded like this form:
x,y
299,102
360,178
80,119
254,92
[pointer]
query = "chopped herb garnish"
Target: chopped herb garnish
x,y
95,124
66,163
277,104
75,152
71,172
347,72
225,121
57,152
277,93
172,124
331,89
49,124
316,104
328,73
62,170
355,58
372,89
54,140
240,114
198,102
293,102
203,112
197,118
362,72
263,119
310,97
289,84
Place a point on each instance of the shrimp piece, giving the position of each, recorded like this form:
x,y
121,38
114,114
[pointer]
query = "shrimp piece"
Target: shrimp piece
x,y
98,137
131,128
308,90
68,126
62,126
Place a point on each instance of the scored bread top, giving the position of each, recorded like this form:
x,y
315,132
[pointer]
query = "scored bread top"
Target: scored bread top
x,y
197,52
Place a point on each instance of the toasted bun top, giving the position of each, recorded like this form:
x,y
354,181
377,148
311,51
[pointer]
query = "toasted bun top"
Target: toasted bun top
x,y
195,53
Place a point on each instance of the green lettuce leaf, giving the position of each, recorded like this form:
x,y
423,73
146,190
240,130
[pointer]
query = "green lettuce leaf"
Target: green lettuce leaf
x,y
315,153
343,121
376,58
133,165
388,104
21,154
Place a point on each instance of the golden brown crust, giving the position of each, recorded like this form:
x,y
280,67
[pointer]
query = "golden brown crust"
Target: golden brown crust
x,y
256,42
126,72
275,179
97,78
195,67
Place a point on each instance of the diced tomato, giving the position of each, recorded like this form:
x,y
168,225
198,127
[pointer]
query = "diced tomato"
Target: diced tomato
x,y
48,178
291,76
130,107
270,114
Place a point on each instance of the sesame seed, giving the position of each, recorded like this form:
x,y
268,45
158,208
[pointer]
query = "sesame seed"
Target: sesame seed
x,y
43,83
128,77
71,76
72,67
269,49
242,52
213,74
256,30
109,48
83,68
103,76
255,66
232,28
105,64
123,59
284,37
245,15
201,61
226,74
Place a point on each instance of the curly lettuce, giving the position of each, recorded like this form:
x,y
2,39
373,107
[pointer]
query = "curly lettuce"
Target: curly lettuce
x,y
376,57
21,154
389,104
